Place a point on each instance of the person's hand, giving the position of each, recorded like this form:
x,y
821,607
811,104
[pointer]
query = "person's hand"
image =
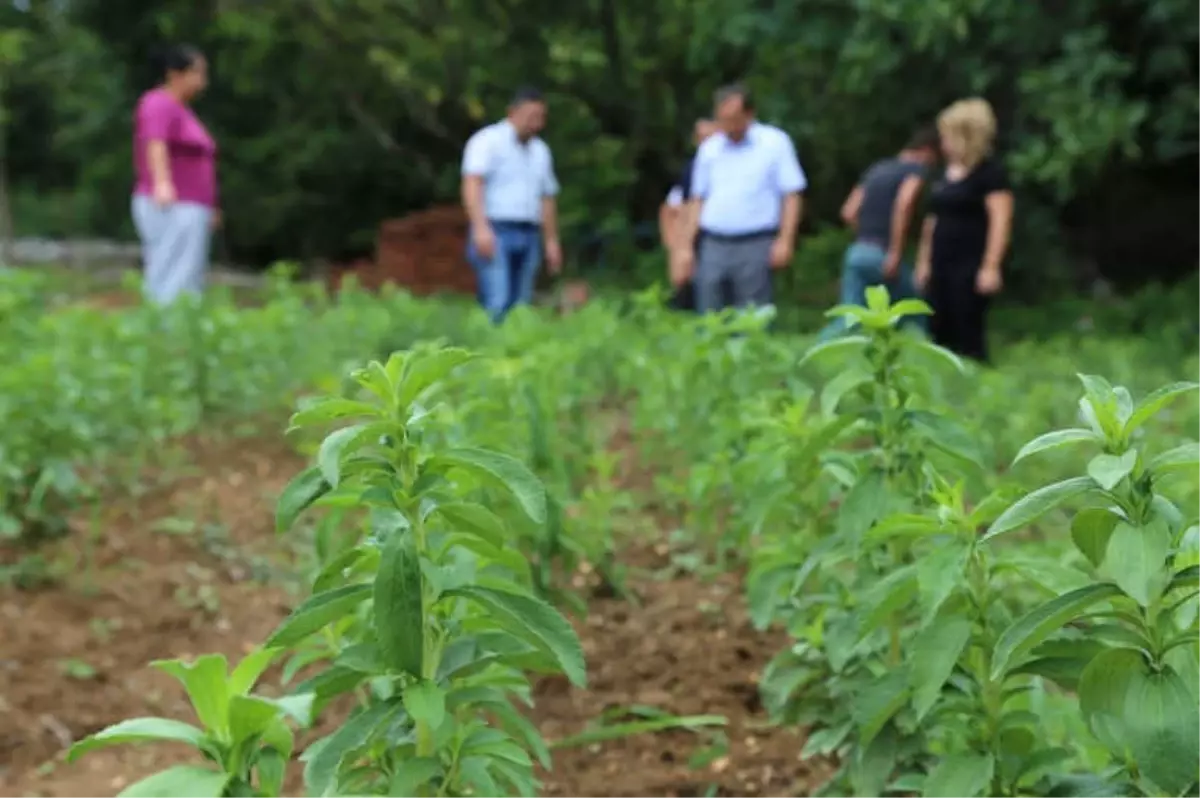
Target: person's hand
x,y
781,253
164,193
988,281
216,220
891,265
921,275
683,263
484,240
554,259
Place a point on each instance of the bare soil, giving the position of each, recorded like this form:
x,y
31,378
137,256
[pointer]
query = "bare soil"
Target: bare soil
x,y
195,567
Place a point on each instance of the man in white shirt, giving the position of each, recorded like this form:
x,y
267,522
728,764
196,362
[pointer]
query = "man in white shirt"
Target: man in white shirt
x,y
746,186
508,191
671,214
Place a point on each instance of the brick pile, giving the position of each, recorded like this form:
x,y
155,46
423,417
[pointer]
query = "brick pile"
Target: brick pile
x,y
423,252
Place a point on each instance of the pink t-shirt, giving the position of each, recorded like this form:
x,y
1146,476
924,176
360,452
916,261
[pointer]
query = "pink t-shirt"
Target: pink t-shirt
x,y
191,151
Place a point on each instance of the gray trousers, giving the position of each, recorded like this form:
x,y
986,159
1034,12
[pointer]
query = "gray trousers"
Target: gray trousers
x,y
740,266
175,242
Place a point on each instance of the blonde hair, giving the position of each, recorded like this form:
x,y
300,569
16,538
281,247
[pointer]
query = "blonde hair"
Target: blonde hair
x,y
972,124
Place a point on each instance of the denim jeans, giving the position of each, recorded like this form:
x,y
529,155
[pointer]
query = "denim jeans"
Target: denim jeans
x,y
506,279
175,243
862,267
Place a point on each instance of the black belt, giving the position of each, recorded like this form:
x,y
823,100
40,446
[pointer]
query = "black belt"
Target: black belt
x,y
526,226
738,237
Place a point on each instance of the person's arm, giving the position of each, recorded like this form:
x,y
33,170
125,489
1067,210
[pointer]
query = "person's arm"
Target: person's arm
x,y
925,250
791,182
160,124
999,230
669,218
902,212
549,202
851,207
474,172
789,218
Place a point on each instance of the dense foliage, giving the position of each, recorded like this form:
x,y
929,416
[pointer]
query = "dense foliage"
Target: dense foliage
x,y
989,578
333,115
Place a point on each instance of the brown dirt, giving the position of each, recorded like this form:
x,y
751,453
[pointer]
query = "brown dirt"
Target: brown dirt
x,y
182,571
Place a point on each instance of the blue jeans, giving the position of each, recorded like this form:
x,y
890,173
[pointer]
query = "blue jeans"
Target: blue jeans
x,y
175,243
862,267
506,279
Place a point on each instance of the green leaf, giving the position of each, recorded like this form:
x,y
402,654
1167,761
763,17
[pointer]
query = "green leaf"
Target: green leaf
x,y
947,435
863,505
412,775
252,666
1035,626
324,759
1053,440
502,470
1091,529
329,455
536,622
1108,470
873,763
843,346
1181,458
960,776
1104,686
400,606
1163,721
1036,504
317,612
1136,559
304,489
181,781
911,307
139,730
929,351
250,716
206,683
842,383
1156,401
330,409
878,702
474,519
425,702
424,371
934,654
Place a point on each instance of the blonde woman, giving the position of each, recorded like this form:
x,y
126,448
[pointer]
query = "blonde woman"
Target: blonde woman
x,y
966,233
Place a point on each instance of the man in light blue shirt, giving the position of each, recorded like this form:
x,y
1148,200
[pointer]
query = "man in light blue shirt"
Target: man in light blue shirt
x,y
746,204
509,190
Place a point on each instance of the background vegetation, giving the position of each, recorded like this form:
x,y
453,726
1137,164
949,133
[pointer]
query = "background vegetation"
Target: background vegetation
x,y
333,114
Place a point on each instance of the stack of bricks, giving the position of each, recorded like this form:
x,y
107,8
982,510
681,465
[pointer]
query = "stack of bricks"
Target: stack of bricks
x,y
424,253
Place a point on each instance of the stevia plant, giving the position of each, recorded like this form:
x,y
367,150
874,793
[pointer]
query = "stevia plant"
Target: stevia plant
x,y
1136,673
246,738
427,619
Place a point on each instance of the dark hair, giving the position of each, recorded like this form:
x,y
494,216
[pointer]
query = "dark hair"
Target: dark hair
x,y
175,58
734,90
526,94
926,138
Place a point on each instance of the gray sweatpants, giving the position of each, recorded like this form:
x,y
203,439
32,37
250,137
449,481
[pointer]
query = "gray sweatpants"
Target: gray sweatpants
x,y
175,242
742,264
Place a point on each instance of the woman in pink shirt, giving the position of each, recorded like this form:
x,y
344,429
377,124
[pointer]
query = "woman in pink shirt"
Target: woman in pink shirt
x,y
175,197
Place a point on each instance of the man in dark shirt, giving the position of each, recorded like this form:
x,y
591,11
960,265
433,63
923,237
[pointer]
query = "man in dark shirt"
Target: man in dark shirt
x,y
684,297
880,209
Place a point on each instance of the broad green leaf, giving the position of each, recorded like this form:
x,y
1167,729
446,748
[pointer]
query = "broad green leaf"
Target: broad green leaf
x,y
329,455
1181,458
960,776
1104,688
911,307
317,612
425,702
904,525
842,383
399,614
879,701
521,728
1035,626
1053,440
139,730
929,351
325,410
304,489
1136,559
1163,720
412,775
938,573
425,370
947,435
252,666
934,653
1156,401
863,505
500,469
536,622
1108,470
272,770
474,519
324,759
843,346
1091,529
1034,505
874,762
206,682
181,781
250,716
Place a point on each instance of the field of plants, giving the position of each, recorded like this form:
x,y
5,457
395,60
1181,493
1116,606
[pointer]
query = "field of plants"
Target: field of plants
x,y
371,545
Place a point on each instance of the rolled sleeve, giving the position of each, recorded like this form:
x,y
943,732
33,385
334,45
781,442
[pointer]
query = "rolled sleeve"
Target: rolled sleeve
x,y
675,197
477,155
789,175
549,182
